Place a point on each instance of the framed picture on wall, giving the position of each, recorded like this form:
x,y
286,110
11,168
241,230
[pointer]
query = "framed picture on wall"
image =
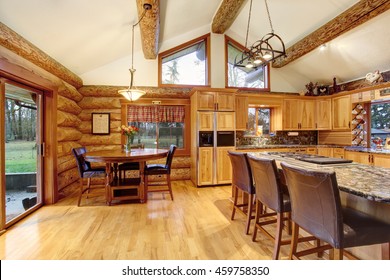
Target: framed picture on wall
x,y
100,123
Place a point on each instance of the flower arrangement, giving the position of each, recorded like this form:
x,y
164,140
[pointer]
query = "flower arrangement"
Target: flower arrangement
x,y
129,130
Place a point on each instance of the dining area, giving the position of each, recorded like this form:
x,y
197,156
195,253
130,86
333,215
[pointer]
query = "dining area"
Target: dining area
x,y
117,163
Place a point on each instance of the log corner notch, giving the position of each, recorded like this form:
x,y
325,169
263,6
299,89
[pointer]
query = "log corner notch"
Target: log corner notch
x,y
358,14
225,15
149,27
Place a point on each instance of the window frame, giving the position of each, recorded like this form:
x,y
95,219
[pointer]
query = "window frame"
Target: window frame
x,y
271,116
368,107
161,56
241,47
163,102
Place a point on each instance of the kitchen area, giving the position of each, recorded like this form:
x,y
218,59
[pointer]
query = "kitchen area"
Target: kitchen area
x,y
323,133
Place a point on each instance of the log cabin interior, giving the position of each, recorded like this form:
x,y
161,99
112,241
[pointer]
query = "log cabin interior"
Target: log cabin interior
x,y
62,63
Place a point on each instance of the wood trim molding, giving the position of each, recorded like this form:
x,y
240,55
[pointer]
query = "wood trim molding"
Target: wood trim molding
x,y
150,28
17,44
358,14
226,14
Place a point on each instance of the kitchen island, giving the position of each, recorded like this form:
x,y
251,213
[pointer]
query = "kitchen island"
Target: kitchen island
x,y
362,187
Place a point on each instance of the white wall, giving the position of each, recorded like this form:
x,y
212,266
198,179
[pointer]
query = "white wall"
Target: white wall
x,y
116,73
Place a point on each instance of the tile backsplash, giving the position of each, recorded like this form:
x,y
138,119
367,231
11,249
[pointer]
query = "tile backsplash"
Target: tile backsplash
x,y
308,137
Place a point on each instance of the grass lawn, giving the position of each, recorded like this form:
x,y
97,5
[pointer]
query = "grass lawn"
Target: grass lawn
x,y
20,156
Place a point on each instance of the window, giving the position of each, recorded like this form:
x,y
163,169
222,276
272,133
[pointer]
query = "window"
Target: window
x,y
159,126
241,77
259,121
380,122
185,65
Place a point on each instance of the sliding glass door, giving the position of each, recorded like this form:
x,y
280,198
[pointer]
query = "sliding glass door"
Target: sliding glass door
x,y
22,159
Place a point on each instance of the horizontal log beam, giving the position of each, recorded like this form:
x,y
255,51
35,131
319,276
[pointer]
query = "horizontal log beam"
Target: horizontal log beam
x,y
17,44
150,28
358,14
226,14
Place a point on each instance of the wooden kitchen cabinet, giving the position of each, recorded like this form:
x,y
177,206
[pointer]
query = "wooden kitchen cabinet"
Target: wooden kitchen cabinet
x,y
324,151
215,101
225,121
381,160
341,112
338,153
324,114
224,166
241,112
206,121
205,166
298,114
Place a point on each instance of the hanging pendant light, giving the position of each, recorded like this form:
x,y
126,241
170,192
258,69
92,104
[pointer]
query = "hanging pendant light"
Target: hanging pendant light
x,y
131,93
263,51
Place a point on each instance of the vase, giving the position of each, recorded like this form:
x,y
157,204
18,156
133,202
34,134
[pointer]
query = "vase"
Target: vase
x,y
128,144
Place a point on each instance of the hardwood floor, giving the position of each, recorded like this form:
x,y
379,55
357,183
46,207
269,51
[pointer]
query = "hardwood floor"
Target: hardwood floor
x,y
195,226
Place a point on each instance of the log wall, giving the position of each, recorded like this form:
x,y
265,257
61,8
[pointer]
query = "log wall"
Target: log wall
x,y
68,137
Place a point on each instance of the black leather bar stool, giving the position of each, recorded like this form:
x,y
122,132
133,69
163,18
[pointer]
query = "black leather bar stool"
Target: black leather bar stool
x,y
316,208
242,180
271,193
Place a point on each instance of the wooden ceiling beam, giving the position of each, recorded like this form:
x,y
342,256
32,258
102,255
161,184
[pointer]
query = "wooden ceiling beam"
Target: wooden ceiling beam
x,y
226,14
149,27
358,14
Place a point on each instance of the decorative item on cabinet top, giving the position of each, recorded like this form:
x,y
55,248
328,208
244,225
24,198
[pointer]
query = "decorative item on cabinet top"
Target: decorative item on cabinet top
x,y
359,133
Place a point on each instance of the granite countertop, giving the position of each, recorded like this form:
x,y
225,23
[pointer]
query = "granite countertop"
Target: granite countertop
x,y
367,150
347,148
370,182
259,147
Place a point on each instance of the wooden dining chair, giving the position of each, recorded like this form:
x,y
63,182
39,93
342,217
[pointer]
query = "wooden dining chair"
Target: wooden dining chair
x,y
85,171
316,208
127,166
160,169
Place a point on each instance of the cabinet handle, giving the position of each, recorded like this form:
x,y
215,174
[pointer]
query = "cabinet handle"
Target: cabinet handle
x,y
316,125
349,124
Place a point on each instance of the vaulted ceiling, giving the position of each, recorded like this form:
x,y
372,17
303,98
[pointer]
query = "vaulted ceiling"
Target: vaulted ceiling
x,y
89,36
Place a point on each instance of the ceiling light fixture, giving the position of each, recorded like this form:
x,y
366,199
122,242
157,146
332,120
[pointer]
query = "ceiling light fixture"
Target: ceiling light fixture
x,y
263,51
131,93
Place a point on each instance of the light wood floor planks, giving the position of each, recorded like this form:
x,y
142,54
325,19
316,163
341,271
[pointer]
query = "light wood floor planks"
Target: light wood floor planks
x,y
195,226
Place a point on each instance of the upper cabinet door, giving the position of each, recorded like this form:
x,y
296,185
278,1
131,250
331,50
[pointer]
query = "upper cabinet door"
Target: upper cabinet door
x,y
241,112
206,121
298,114
341,112
324,114
290,114
225,101
306,110
206,101
225,121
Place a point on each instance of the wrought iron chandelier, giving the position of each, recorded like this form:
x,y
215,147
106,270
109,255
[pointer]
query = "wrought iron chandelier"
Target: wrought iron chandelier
x,y
131,93
263,51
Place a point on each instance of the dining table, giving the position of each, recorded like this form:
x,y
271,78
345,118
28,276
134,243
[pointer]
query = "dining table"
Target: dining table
x,y
126,188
